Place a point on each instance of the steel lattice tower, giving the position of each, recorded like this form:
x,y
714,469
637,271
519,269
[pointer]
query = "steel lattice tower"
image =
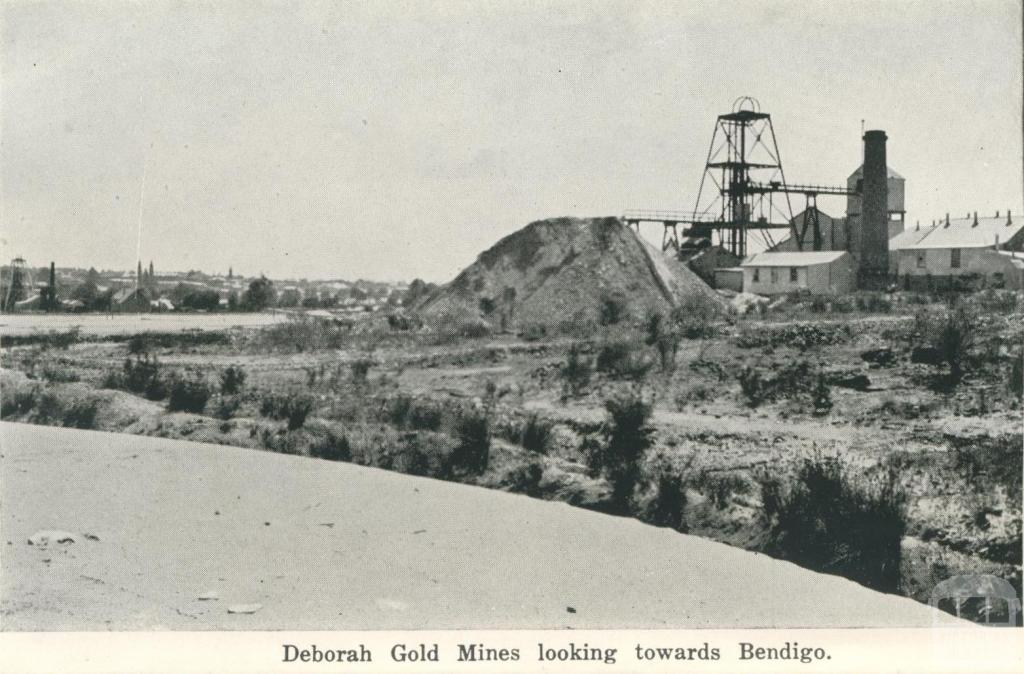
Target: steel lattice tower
x,y
742,159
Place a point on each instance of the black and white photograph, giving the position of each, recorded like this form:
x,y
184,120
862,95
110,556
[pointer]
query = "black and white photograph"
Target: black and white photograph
x,y
364,317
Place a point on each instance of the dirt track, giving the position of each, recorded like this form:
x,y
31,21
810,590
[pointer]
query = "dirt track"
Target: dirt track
x,y
324,545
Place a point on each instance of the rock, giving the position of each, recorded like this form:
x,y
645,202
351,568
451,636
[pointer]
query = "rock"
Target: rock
x,y
244,609
46,537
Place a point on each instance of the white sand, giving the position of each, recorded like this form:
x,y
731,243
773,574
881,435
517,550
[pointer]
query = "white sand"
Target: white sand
x,y
319,545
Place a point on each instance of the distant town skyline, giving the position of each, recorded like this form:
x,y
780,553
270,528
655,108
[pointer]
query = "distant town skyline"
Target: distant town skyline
x,y
393,141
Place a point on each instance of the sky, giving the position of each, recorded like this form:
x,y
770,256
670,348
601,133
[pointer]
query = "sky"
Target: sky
x,y
395,140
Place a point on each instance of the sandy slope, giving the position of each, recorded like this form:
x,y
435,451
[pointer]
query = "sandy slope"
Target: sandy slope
x,y
335,546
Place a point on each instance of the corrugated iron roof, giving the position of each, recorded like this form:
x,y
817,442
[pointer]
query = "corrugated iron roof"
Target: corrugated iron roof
x,y
793,259
909,237
962,233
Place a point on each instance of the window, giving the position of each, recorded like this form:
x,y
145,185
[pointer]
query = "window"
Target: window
x,y
775,275
920,260
793,276
757,274
954,258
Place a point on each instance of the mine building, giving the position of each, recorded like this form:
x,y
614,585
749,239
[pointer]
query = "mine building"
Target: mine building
x,y
975,250
744,194
822,272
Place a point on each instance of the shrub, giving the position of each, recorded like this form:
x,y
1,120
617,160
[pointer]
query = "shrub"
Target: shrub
x,y
156,389
405,412
955,339
113,379
59,374
472,430
623,359
293,407
138,343
61,340
798,335
51,339
950,335
331,446
534,331
360,371
188,394
81,413
140,374
302,334
998,301
278,440
412,460
425,415
796,381
403,322
1016,382
821,395
698,393
627,437
828,523
525,479
49,408
399,409
720,487
664,337
752,385
490,397
669,504
576,372
232,379
877,303
474,329
535,434
18,401
226,406
613,309
696,315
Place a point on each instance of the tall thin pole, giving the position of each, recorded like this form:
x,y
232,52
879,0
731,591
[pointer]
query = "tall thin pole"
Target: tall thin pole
x,y
138,240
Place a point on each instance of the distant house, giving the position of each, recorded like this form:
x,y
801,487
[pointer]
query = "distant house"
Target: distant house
x,y
130,299
162,304
73,305
986,249
823,272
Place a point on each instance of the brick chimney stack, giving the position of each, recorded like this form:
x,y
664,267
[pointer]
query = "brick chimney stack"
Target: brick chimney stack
x,y
874,224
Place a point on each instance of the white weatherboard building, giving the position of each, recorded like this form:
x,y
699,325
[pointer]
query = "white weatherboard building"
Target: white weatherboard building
x,y
823,272
986,248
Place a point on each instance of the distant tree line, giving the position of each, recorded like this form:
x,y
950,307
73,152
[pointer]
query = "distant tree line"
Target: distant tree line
x,y
92,293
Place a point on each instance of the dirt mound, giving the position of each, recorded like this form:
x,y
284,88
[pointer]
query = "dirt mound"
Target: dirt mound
x,y
565,270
